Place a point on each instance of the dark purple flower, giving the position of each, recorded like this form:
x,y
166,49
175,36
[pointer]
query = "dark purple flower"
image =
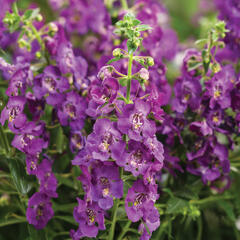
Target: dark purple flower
x,y
201,128
219,88
133,121
139,201
72,110
192,58
39,210
106,92
19,80
106,184
47,180
82,16
187,94
105,135
171,163
77,141
90,218
13,110
50,82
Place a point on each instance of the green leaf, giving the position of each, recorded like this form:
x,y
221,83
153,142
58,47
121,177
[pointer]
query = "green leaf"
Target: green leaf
x,y
15,8
143,27
201,42
64,180
194,65
31,14
129,17
228,208
63,207
132,46
20,178
36,234
123,81
9,221
186,193
176,205
114,60
68,219
136,22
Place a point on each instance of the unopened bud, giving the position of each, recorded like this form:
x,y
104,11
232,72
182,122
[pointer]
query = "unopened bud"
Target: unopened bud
x,y
150,61
144,74
215,67
22,43
117,52
38,54
39,18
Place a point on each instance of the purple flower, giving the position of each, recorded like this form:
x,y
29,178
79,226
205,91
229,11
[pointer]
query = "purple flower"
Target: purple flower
x,y
48,182
90,218
39,210
106,184
72,110
82,16
171,163
219,88
187,94
106,92
50,82
139,201
201,128
77,141
19,80
133,121
210,161
13,110
151,219
192,56
105,135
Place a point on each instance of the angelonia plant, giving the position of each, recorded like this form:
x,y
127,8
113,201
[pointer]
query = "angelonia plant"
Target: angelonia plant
x,y
97,142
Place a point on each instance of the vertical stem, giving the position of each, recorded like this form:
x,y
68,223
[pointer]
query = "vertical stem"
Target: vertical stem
x,y
114,219
199,222
38,37
124,231
124,4
129,77
5,140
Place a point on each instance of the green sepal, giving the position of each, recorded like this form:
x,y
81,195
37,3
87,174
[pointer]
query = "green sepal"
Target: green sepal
x,y
143,27
114,60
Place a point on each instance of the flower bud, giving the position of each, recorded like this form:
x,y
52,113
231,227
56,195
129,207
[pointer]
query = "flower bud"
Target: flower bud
x,y
22,43
39,18
117,52
105,71
38,54
144,74
150,61
215,67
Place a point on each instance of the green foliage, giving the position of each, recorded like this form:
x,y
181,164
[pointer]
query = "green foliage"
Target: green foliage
x,y
130,28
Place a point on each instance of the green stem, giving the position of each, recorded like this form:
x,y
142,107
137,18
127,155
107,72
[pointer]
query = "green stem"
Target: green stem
x,y
37,36
4,84
130,61
124,4
125,230
114,220
200,228
4,140
211,199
